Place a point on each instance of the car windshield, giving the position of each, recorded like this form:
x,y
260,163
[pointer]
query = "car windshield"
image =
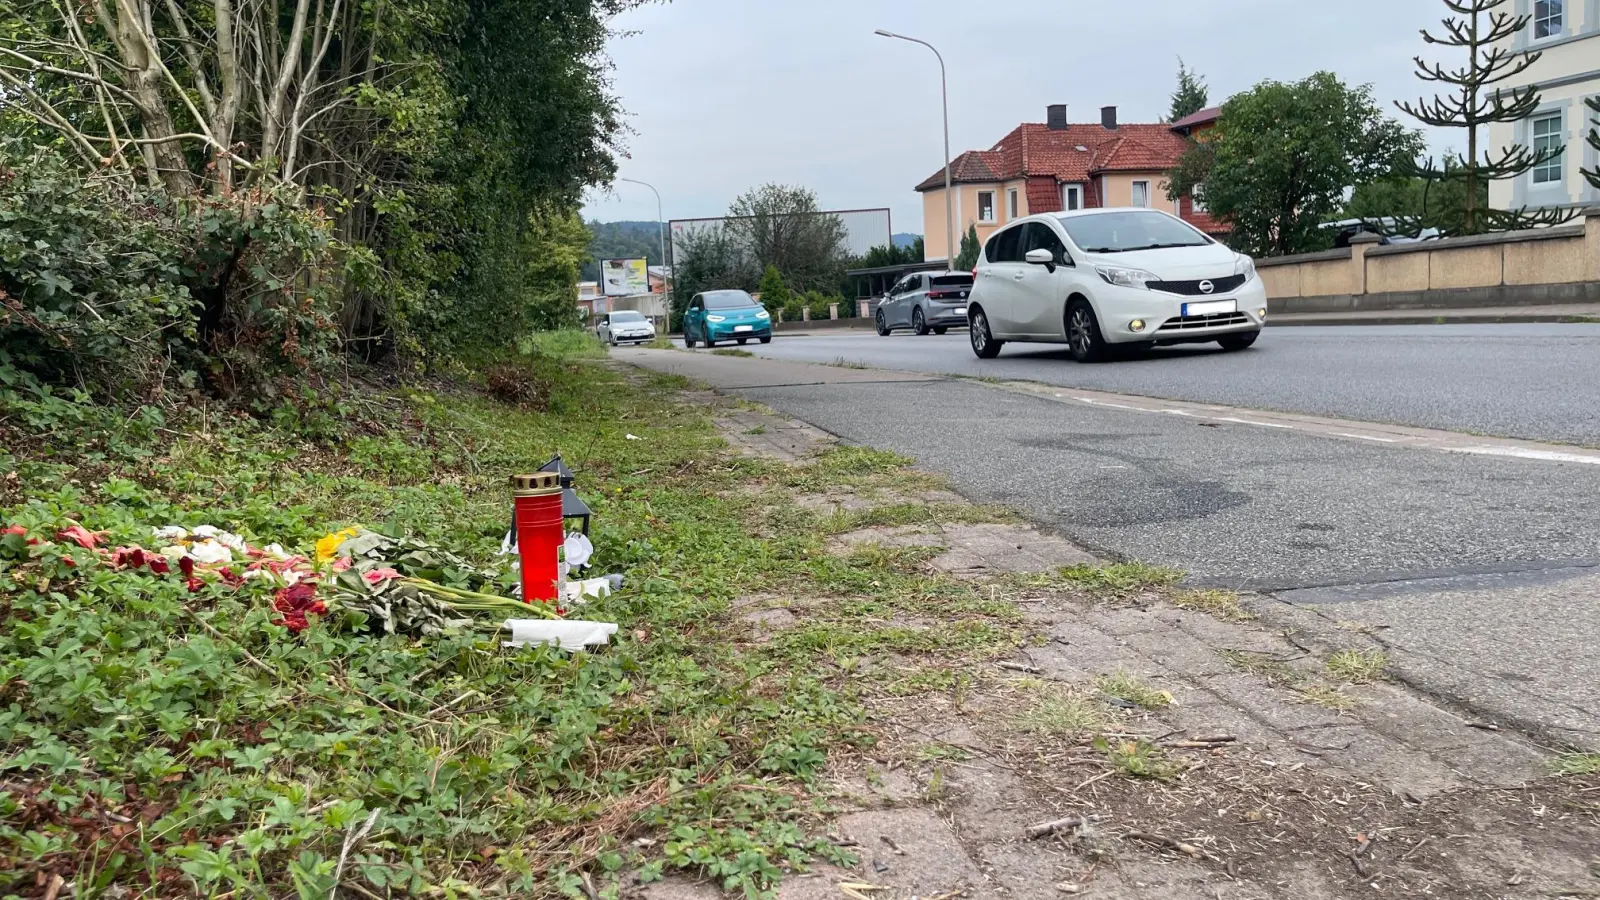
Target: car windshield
x,y
1120,232
729,300
629,316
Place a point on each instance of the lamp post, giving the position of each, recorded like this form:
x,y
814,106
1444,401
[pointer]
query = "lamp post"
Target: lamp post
x,y
944,100
661,232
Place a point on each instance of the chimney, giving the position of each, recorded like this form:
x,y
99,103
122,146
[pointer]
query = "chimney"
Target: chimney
x,y
1108,117
1055,116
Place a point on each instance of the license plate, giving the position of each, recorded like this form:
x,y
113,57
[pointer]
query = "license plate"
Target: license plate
x,y
744,328
961,311
1210,307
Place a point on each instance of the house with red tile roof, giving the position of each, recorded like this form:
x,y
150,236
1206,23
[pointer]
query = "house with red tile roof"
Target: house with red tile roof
x,y
1059,165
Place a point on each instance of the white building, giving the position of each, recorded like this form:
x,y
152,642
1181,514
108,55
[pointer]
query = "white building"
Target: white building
x,y
1567,33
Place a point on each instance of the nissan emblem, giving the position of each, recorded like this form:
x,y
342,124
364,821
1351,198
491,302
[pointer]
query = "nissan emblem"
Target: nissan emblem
x,y
1207,287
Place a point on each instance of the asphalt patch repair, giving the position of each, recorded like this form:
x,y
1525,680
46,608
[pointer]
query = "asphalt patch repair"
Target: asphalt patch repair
x,y
1142,740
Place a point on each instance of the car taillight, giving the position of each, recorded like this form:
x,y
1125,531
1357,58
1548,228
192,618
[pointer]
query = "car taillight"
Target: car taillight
x,y
937,295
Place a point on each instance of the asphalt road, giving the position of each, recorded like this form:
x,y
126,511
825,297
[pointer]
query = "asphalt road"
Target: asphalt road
x,y
1540,382
1450,552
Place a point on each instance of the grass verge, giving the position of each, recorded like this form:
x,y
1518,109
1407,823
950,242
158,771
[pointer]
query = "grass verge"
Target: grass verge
x,y
172,742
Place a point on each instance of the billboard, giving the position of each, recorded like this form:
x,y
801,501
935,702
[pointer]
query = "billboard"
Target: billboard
x,y
624,277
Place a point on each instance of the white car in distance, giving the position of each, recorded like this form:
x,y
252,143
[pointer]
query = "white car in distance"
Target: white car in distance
x,y
625,326
1098,278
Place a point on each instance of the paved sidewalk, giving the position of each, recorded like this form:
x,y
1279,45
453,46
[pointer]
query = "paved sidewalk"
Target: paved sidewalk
x,y
1293,782
1477,571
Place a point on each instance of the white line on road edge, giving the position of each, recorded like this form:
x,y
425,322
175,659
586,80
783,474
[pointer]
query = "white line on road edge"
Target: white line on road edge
x,y
1405,436
1248,422
1525,453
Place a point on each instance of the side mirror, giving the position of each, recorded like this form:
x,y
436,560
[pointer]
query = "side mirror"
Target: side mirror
x,y
1041,257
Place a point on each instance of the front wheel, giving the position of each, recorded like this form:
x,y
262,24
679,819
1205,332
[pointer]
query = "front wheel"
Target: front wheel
x,y
688,341
742,340
941,330
1238,341
1083,333
919,325
984,346
767,339
882,323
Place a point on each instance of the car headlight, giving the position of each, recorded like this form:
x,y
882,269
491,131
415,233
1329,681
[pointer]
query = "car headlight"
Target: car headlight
x,y
763,314
1246,267
716,318
1133,278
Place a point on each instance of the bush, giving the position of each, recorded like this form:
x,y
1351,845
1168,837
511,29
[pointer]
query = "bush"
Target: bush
x,y
122,290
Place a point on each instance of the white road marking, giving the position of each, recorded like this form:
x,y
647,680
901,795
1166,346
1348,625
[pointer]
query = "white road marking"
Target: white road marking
x,y
1248,422
1365,437
1526,453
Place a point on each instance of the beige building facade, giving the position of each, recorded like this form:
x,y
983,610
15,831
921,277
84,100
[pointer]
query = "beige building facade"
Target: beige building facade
x,y
1566,35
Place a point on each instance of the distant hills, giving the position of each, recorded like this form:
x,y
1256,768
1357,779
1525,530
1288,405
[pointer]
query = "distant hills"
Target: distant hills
x,y
633,239
622,240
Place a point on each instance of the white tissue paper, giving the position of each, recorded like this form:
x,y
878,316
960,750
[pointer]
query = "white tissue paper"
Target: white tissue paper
x,y
578,550
581,591
564,633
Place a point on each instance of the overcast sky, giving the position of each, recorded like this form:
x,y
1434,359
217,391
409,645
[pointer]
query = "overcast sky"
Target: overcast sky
x,y
722,95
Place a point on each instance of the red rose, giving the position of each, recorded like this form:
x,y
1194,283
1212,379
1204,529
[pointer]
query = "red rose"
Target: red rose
x,y
186,566
80,536
159,564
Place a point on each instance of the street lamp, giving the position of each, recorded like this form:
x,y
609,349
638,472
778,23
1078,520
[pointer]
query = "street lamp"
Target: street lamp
x,y
944,99
661,229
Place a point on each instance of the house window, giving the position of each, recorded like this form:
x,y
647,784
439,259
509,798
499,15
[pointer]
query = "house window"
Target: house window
x,y
1011,204
986,206
1072,196
1547,139
1547,19
1197,198
1141,193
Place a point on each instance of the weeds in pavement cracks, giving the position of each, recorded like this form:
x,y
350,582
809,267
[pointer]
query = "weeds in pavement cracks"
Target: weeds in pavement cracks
x,y
1125,687
1576,764
1357,666
730,351
1119,580
1222,605
1302,684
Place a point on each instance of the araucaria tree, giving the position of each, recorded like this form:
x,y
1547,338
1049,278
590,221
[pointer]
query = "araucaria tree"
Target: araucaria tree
x,y
1594,141
1483,30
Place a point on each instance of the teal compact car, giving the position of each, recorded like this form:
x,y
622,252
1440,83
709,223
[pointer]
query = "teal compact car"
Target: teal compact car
x,y
725,316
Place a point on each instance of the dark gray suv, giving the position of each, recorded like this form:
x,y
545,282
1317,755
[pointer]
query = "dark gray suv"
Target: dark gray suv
x,y
926,301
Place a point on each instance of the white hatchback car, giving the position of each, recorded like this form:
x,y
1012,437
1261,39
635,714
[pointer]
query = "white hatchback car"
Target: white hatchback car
x,y
1101,277
624,326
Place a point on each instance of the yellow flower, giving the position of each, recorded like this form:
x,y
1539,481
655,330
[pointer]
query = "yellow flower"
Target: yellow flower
x,y
328,545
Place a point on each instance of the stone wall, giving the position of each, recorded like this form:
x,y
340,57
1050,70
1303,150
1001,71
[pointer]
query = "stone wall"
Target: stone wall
x,y
1519,268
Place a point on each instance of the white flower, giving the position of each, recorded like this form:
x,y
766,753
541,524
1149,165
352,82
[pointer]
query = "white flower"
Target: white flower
x,y
230,540
175,552
275,551
171,533
206,531
209,552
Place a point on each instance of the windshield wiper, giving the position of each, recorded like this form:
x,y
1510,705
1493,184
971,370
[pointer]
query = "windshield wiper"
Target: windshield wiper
x,y
1158,247
1101,250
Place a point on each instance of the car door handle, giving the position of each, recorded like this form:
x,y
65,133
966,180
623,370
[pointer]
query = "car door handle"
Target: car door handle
x,y
1019,276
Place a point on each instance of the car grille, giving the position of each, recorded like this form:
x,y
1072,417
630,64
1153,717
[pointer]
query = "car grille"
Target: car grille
x,y
1185,323
1192,288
